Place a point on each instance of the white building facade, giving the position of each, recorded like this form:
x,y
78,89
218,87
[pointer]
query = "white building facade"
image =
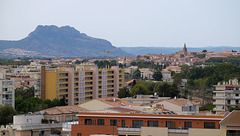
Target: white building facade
x,y
226,95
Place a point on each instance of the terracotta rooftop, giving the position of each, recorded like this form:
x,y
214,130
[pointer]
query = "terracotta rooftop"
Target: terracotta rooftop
x,y
124,109
232,118
115,101
180,102
131,81
64,110
109,115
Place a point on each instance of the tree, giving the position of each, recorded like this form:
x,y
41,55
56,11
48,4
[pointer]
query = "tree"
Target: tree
x,y
31,105
165,89
63,102
137,74
120,65
204,50
139,89
24,93
123,93
177,79
133,83
113,63
157,76
6,114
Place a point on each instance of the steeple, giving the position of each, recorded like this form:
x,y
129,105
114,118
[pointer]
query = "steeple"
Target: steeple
x,y
185,50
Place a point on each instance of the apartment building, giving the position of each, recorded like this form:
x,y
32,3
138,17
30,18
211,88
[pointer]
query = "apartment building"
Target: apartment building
x,y
226,95
131,124
79,85
7,92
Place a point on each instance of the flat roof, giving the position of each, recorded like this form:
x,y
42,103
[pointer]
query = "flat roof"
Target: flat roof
x,y
150,116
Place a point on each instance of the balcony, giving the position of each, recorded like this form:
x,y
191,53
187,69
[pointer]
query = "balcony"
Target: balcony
x,y
37,126
68,126
183,131
129,129
232,97
218,103
63,77
63,87
218,97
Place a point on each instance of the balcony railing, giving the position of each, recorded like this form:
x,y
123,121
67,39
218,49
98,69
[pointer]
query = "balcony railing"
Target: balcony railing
x,y
184,131
37,126
129,129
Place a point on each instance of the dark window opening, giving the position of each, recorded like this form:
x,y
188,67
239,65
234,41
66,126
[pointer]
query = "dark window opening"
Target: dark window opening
x,y
137,123
100,121
152,123
113,122
88,122
187,125
170,124
123,123
209,124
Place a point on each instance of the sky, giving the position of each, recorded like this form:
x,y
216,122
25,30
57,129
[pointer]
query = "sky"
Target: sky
x,y
129,23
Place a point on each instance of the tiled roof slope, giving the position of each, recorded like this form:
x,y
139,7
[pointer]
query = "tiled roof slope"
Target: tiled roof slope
x,y
180,102
115,101
64,110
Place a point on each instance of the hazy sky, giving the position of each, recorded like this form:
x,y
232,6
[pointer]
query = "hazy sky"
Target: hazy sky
x,y
129,22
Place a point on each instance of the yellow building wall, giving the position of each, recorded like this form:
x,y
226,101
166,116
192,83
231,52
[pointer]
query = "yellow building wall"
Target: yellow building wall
x,y
50,85
204,132
154,131
177,134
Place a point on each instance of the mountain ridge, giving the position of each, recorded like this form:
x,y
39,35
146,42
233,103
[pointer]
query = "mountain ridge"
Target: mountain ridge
x,y
62,41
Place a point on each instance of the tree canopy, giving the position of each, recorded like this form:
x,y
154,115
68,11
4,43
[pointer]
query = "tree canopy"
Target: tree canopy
x,y
123,93
6,114
139,89
157,76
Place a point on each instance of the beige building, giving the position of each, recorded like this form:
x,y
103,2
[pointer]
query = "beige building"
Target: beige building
x,y
180,106
7,92
226,95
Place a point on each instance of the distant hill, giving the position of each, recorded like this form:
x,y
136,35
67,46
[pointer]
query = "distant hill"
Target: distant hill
x,y
170,50
53,41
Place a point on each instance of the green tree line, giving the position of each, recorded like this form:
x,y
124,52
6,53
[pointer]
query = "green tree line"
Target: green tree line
x,y
163,89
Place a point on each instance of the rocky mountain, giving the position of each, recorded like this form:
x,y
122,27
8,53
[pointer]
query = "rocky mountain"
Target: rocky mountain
x,y
53,41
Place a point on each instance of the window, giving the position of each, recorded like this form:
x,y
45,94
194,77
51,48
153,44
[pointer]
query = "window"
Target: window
x,y
237,95
237,101
88,122
170,124
100,121
228,102
79,134
209,124
187,125
123,123
137,123
152,123
190,108
113,122
5,89
233,132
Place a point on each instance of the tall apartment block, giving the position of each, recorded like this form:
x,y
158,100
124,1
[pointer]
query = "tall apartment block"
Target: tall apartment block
x,y
226,95
7,92
78,85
